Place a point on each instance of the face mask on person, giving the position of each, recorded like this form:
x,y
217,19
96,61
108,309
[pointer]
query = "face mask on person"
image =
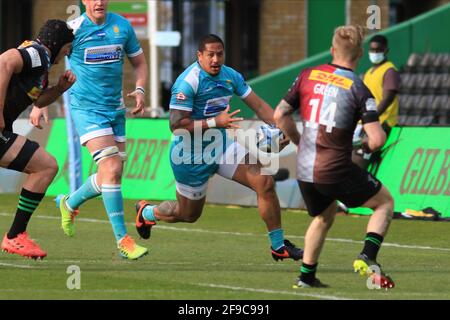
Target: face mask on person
x,y
376,57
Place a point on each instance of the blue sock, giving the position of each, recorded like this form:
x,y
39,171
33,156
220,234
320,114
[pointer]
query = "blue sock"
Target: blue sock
x,y
148,213
87,191
277,238
112,199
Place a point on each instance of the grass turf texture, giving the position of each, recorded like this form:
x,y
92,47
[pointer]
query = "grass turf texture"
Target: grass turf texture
x,y
224,255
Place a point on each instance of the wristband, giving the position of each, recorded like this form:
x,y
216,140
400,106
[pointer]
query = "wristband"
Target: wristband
x,y
140,90
211,122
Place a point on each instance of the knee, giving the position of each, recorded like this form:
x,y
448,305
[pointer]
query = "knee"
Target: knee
x,y
49,169
264,185
52,167
326,221
388,201
386,206
191,218
390,206
190,215
112,169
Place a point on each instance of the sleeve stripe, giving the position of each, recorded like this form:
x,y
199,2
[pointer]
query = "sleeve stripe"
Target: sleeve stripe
x,y
192,78
174,106
245,95
132,55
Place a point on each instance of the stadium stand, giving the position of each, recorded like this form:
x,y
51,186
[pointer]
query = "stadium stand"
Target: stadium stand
x,y
424,96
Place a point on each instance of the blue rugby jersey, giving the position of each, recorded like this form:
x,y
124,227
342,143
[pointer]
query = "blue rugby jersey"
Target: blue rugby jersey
x,y
205,95
97,60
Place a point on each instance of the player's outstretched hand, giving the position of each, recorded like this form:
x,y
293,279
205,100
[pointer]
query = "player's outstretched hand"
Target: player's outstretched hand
x,y
66,80
226,120
37,114
140,102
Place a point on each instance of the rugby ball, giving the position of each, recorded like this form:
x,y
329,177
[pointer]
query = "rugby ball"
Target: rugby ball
x,y
269,138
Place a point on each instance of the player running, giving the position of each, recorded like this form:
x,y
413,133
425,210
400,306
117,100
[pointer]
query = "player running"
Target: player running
x,y
331,99
200,98
24,81
102,40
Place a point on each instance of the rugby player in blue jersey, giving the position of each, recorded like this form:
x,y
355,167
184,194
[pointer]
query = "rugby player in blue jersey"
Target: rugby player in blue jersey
x,y
200,101
102,40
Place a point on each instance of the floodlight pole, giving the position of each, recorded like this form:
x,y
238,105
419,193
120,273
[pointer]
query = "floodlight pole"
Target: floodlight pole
x,y
152,24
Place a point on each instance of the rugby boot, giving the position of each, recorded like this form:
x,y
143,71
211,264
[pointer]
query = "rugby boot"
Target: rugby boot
x,y
67,217
129,249
370,268
23,246
315,284
288,251
143,227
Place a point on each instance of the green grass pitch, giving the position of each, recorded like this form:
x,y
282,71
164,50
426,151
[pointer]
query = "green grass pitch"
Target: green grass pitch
x,y
224,255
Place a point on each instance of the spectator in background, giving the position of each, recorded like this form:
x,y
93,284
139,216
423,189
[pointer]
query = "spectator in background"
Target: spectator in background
x,y
383,81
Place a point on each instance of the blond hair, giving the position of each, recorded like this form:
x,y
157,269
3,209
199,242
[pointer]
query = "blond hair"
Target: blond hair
x,y
347,42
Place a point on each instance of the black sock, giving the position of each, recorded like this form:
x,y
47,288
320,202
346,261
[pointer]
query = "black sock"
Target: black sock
x,y
28,202
372,244
308,273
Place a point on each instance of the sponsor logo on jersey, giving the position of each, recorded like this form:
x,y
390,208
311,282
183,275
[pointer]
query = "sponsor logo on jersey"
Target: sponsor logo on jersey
x,y
180,96
25,44
103,54
34,93
216,105
92,127
219,85
101,34
331,78
35,57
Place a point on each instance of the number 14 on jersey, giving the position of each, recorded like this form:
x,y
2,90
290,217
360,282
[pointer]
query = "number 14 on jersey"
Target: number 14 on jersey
x,y
326,115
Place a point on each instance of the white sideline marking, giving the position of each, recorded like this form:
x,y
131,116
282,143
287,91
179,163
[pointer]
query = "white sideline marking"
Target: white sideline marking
x,y
159,226
309,295
16,265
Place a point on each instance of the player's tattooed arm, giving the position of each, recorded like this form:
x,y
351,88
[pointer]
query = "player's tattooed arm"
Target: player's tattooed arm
x,y
284,121
179,119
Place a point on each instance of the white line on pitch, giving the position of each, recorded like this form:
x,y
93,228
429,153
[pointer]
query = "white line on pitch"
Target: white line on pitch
x,y
159,226
21,266
309,295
